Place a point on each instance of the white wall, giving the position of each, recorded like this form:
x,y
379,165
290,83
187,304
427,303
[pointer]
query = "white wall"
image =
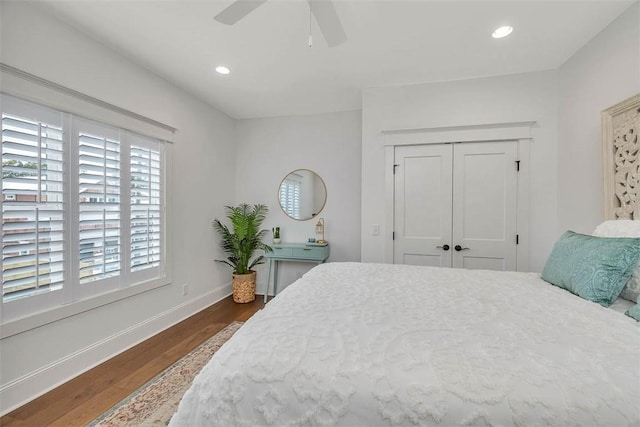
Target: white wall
x,y
603,73
513,98
38,359
328,144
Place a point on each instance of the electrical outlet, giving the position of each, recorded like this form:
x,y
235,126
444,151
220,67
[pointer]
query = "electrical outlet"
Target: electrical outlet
x,y
185,289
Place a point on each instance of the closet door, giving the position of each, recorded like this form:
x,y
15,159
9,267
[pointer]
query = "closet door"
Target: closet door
x,y
485,205
423,201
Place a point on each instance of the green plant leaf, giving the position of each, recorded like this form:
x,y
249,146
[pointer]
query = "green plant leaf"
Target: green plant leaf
x,y
244,238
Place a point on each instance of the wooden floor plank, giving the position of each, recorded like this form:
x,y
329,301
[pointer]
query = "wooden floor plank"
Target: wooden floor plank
x,y
87,396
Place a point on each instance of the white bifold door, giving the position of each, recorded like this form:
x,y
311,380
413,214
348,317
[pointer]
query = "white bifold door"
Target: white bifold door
x,y
455,205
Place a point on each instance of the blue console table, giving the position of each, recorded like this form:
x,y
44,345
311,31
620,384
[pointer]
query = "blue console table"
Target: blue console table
x,y
298,252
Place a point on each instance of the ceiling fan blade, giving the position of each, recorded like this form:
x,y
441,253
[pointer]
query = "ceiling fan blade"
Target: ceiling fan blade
x,y
328,21
237,10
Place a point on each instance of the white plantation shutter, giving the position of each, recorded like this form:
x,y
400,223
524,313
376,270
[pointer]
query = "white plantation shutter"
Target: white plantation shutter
x,y
99,202
146,203
83,210
32,202
290,197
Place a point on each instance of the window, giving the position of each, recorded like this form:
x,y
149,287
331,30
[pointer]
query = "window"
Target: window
x,y
145,219
99,201
32,204
82,208
290,197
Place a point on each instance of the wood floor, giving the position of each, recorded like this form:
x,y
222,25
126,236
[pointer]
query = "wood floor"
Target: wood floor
x,y
87,396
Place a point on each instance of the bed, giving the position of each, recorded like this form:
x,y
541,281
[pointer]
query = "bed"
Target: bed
x,y
355,344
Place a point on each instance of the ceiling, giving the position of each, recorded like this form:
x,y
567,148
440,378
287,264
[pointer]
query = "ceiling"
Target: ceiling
x,y
274,72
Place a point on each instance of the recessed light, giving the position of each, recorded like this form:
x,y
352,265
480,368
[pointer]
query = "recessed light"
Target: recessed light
x,y
502,32
221,69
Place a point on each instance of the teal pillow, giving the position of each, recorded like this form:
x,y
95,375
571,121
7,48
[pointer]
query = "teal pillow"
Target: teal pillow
x,y
634,312
594,268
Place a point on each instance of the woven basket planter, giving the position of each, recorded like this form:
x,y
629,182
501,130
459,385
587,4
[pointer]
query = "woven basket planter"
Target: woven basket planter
x,y
244,287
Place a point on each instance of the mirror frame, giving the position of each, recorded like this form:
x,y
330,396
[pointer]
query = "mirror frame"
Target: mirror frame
x,y
324,202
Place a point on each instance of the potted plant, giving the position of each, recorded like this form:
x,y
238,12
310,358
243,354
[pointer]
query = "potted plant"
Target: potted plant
x,y
240,243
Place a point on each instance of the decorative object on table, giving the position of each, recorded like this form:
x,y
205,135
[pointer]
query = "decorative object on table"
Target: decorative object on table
x,y
276,234
302,194
620,144
320,231
240,245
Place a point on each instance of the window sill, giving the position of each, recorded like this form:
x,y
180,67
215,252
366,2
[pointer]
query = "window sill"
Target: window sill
x,y
18,326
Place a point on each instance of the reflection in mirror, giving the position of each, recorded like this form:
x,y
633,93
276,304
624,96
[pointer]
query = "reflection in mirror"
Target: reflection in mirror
x,y
302,194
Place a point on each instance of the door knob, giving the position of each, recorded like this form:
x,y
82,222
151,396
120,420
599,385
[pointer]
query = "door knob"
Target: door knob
x,y
443,247
460,248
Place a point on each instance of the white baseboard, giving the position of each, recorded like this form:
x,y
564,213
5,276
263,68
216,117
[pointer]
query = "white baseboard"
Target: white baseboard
x,y
38,382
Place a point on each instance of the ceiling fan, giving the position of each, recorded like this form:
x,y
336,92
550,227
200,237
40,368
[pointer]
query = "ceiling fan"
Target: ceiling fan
x,y
323,10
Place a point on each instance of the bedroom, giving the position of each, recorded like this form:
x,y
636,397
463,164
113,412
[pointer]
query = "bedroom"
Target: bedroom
x,y
565,100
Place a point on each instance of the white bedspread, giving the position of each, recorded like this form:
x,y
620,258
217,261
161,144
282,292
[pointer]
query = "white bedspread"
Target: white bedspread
x,y
370,344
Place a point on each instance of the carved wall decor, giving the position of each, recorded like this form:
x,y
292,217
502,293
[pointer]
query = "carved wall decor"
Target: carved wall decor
x,y
621,149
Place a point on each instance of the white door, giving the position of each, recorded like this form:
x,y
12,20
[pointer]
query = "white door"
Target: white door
x,y
456,205
423,204
485,186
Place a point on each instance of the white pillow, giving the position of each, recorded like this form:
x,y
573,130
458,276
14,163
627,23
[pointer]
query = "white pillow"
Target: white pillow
x,y
623,228
618,228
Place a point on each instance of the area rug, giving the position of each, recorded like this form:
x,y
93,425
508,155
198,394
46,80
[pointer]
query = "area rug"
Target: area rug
x,y
154,403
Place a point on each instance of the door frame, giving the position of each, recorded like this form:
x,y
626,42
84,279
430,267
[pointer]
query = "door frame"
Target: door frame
x,y
520,132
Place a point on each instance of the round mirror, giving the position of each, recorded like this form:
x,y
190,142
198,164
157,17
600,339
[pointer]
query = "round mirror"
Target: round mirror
x,y
302,194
